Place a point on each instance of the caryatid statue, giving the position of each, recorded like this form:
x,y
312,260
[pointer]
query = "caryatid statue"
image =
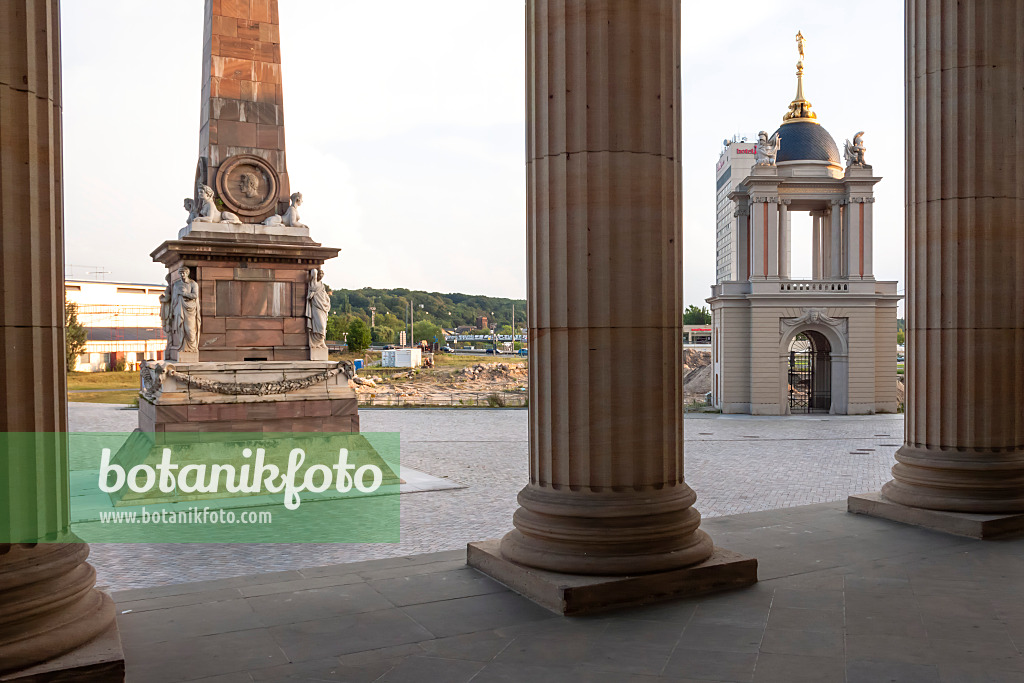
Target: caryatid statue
x,y
186,320
165,312
318,305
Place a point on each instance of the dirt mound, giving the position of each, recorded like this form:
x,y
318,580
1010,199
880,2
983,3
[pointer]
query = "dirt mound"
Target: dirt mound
x,y
697,373
492,371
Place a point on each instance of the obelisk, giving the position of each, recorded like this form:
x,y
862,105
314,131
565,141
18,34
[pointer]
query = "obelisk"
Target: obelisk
x,y
245,305
241,122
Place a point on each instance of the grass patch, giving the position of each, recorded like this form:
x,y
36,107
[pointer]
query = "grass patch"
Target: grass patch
x,y
122,397
103,380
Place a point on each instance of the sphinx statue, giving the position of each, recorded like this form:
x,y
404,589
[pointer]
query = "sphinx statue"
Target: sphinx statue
x,y
291,216
206,211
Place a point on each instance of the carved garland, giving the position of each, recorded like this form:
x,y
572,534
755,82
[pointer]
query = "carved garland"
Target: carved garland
x,y
152,383
814,316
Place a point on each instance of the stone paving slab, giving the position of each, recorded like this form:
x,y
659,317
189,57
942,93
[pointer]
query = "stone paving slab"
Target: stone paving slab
x,y
842,598
736,464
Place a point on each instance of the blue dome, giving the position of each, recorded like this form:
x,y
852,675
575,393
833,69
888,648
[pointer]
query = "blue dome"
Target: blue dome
x,y
806,141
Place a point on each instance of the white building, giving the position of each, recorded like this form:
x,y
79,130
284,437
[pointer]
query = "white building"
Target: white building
x,y
783,345
733,166
401,358
122,321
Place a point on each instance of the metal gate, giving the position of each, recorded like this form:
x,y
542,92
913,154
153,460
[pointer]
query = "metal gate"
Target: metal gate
x,y
809,381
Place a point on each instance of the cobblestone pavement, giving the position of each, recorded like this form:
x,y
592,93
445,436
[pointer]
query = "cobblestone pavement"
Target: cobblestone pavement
x,y
735,463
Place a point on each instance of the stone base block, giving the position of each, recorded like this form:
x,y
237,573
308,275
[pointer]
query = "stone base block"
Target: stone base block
x,y
956,523
569,594
100,660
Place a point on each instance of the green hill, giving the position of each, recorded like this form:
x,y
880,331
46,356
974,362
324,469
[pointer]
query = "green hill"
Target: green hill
x,y
432,310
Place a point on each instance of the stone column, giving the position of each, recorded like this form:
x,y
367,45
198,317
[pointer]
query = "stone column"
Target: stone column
x,y
606,512
784,238
759,230
835,249
604,240
816,245
48,606
741,268
854,232
964,447
868,257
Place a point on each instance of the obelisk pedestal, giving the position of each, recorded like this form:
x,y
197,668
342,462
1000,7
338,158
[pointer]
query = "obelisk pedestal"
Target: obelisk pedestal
x,y
607,519
961,467
54,625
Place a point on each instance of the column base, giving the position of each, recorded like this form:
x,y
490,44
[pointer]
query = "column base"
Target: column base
x,y
574,594
972,525
101,660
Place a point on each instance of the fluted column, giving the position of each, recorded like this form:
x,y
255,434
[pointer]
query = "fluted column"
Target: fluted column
x,y
816,245
964,447
741,270
604,211
784,238
835,249
48,605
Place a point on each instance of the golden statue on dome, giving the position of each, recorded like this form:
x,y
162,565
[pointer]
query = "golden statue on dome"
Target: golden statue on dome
x,y
799,108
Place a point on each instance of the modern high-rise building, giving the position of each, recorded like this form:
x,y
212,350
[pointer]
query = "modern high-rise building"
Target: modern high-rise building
x,y
733,166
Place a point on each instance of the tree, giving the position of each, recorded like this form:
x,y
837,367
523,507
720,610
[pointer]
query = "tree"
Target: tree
x,y
382,335
696,316
900,337
427,331
335,328
358,335
74,334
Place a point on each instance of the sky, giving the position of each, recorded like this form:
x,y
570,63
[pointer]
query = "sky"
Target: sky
x,y
405,126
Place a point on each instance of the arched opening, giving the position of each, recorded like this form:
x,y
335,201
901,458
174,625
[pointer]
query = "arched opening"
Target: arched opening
x,y
810,373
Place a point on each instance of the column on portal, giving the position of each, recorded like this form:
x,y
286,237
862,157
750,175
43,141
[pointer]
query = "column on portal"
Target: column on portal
x,y
964,443
867,244
48,603
759,230
784,238
742,214
835,249
854,237
816,245
604,265
772,246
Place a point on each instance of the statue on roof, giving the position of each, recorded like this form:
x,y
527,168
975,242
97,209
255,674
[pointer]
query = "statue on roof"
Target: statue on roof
x,y
855,151
767,148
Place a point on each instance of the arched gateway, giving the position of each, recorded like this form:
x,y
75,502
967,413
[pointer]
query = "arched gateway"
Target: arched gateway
x,y
843,319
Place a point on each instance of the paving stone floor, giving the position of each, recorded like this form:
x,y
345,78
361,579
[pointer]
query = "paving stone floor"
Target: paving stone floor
x,y
841,598
735,463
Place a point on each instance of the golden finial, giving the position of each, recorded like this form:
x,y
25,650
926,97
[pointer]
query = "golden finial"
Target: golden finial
x,y
799,108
